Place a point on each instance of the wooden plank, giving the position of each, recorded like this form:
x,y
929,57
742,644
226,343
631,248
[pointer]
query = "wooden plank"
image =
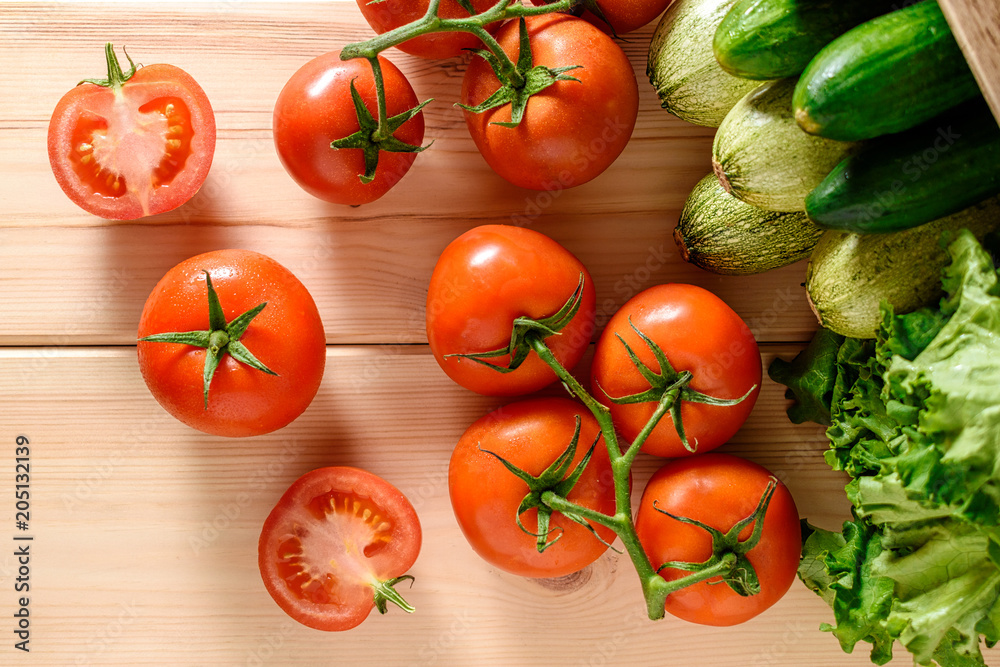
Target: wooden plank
x,y
976,24
73,279
88,285
145,530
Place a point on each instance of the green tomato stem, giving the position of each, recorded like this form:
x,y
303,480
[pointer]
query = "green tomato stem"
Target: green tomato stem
x,y
599,410
655,588
116,77
431,22
382,130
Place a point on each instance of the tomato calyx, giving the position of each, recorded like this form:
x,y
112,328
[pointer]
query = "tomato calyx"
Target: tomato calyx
x,y
526,331
554,483
668,388
517,85
221,338
116,77
376,134
386,593
518,82
729,553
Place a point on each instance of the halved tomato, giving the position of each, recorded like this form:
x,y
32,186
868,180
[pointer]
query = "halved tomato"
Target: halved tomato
x,y
334,545
136,144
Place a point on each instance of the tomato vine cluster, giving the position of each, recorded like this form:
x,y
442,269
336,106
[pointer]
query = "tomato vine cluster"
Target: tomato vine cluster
x,y
675,373
231,343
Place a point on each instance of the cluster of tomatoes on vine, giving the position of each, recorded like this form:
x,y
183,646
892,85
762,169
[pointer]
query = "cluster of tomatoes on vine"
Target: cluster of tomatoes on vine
x,y
347,125
540,487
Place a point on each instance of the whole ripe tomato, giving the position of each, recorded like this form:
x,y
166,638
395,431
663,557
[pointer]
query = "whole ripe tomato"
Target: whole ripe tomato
x,y
485,495
287,337
391,14
482,282
132,146
315,108
622,15
699,333
335,538
718,490
571,131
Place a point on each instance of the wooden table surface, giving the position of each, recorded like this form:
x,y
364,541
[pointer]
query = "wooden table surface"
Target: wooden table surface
x,y
144,531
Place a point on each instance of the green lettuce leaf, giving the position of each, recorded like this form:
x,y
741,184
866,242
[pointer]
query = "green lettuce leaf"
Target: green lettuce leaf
x,y
810,378
838,567
915,421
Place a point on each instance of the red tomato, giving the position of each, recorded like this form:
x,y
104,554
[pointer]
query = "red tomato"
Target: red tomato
x,y
485,495
718,490
571,131
315,108
136,147
483,281
287,336
390,14
698,332
334,536
623,15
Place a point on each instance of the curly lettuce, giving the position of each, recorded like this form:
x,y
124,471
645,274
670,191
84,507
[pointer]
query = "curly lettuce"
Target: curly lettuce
x,y
913,417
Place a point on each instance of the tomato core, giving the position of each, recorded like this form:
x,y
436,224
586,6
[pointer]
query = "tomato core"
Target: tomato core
x,y
114,144
310,561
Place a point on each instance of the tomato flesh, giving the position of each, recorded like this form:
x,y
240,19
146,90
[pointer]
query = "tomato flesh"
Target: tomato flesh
x,y
331,537
142,149
348,524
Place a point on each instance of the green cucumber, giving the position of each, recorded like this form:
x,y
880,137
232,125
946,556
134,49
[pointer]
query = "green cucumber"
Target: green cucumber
x,y
908,179
884,76
775,39
763,158
849,275
682,67
719,233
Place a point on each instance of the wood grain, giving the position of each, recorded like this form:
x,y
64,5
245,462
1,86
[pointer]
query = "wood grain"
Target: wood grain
x,y
73,279
145,530
976,24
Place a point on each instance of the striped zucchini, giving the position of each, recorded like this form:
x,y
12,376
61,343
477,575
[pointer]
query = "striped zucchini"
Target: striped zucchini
x,y
682,66
763,158
884,76
719,233
849,274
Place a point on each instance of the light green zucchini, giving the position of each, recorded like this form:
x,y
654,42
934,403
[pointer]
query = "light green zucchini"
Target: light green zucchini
x,y
763,157
721,234
682,66
850,274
